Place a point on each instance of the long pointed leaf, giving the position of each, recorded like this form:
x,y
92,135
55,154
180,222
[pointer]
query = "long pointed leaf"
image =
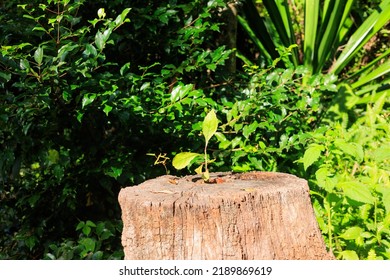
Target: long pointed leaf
x,y
256,23
364,33
346,22
378,72
255,39
279,12
311,24
368,66
334,15
345,28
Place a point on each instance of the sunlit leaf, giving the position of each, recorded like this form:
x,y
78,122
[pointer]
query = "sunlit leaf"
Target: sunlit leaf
x,y
183,159
311,155
379,71
107,109
88,99
352,233
99,41
88,243
206,175
210,125
180,91
357,191
198,170
101,13
311,27
349,255
325,179
353,149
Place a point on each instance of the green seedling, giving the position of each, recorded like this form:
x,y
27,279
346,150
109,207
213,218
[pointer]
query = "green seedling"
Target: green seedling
x,y
182,160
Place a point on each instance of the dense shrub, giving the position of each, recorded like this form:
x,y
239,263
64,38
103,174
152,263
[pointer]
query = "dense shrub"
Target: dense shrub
x,y
81,84
349,174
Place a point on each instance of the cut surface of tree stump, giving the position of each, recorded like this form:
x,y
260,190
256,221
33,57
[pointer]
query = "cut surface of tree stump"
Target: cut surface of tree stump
x,y
244,216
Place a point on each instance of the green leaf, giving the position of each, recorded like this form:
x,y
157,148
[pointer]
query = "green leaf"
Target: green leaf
x,y
107,109
311,155
5,76
101,13
99,41
89,244
349,255
352,233
80,225
206,175
333,14
381,70
256,28
311,24
115,172
90,223
24,64
106,34
210,125
88,99
106,234
124,68
97,255
53,156
357,191
90,51
279,12
86,230
180,91
32,200
79,116
325,179
353,149
199,170
38,55
31,242
249,129
183,159
145,86
385,197
223,141
122,17
39,28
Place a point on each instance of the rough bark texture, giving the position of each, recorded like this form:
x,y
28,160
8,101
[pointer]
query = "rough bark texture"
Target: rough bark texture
x,y
257,215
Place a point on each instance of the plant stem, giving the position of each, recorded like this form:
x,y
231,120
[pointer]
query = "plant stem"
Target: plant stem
x,y
205,157
330,230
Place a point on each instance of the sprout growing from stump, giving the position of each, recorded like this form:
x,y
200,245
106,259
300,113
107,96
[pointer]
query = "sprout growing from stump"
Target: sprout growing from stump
x,y
182,160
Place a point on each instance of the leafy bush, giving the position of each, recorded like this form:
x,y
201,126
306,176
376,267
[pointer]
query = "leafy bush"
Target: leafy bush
x,y
81,87
91,88
349,172
263,124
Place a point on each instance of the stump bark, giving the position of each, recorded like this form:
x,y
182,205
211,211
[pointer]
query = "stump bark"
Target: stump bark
x,y
248,216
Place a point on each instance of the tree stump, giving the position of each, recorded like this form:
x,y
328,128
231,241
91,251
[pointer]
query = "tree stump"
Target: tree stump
x,y
243,216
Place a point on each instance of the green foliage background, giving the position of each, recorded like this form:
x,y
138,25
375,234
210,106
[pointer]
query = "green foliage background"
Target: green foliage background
x,y
91,89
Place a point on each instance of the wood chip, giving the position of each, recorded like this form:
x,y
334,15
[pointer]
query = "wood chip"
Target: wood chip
x,y
164,191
